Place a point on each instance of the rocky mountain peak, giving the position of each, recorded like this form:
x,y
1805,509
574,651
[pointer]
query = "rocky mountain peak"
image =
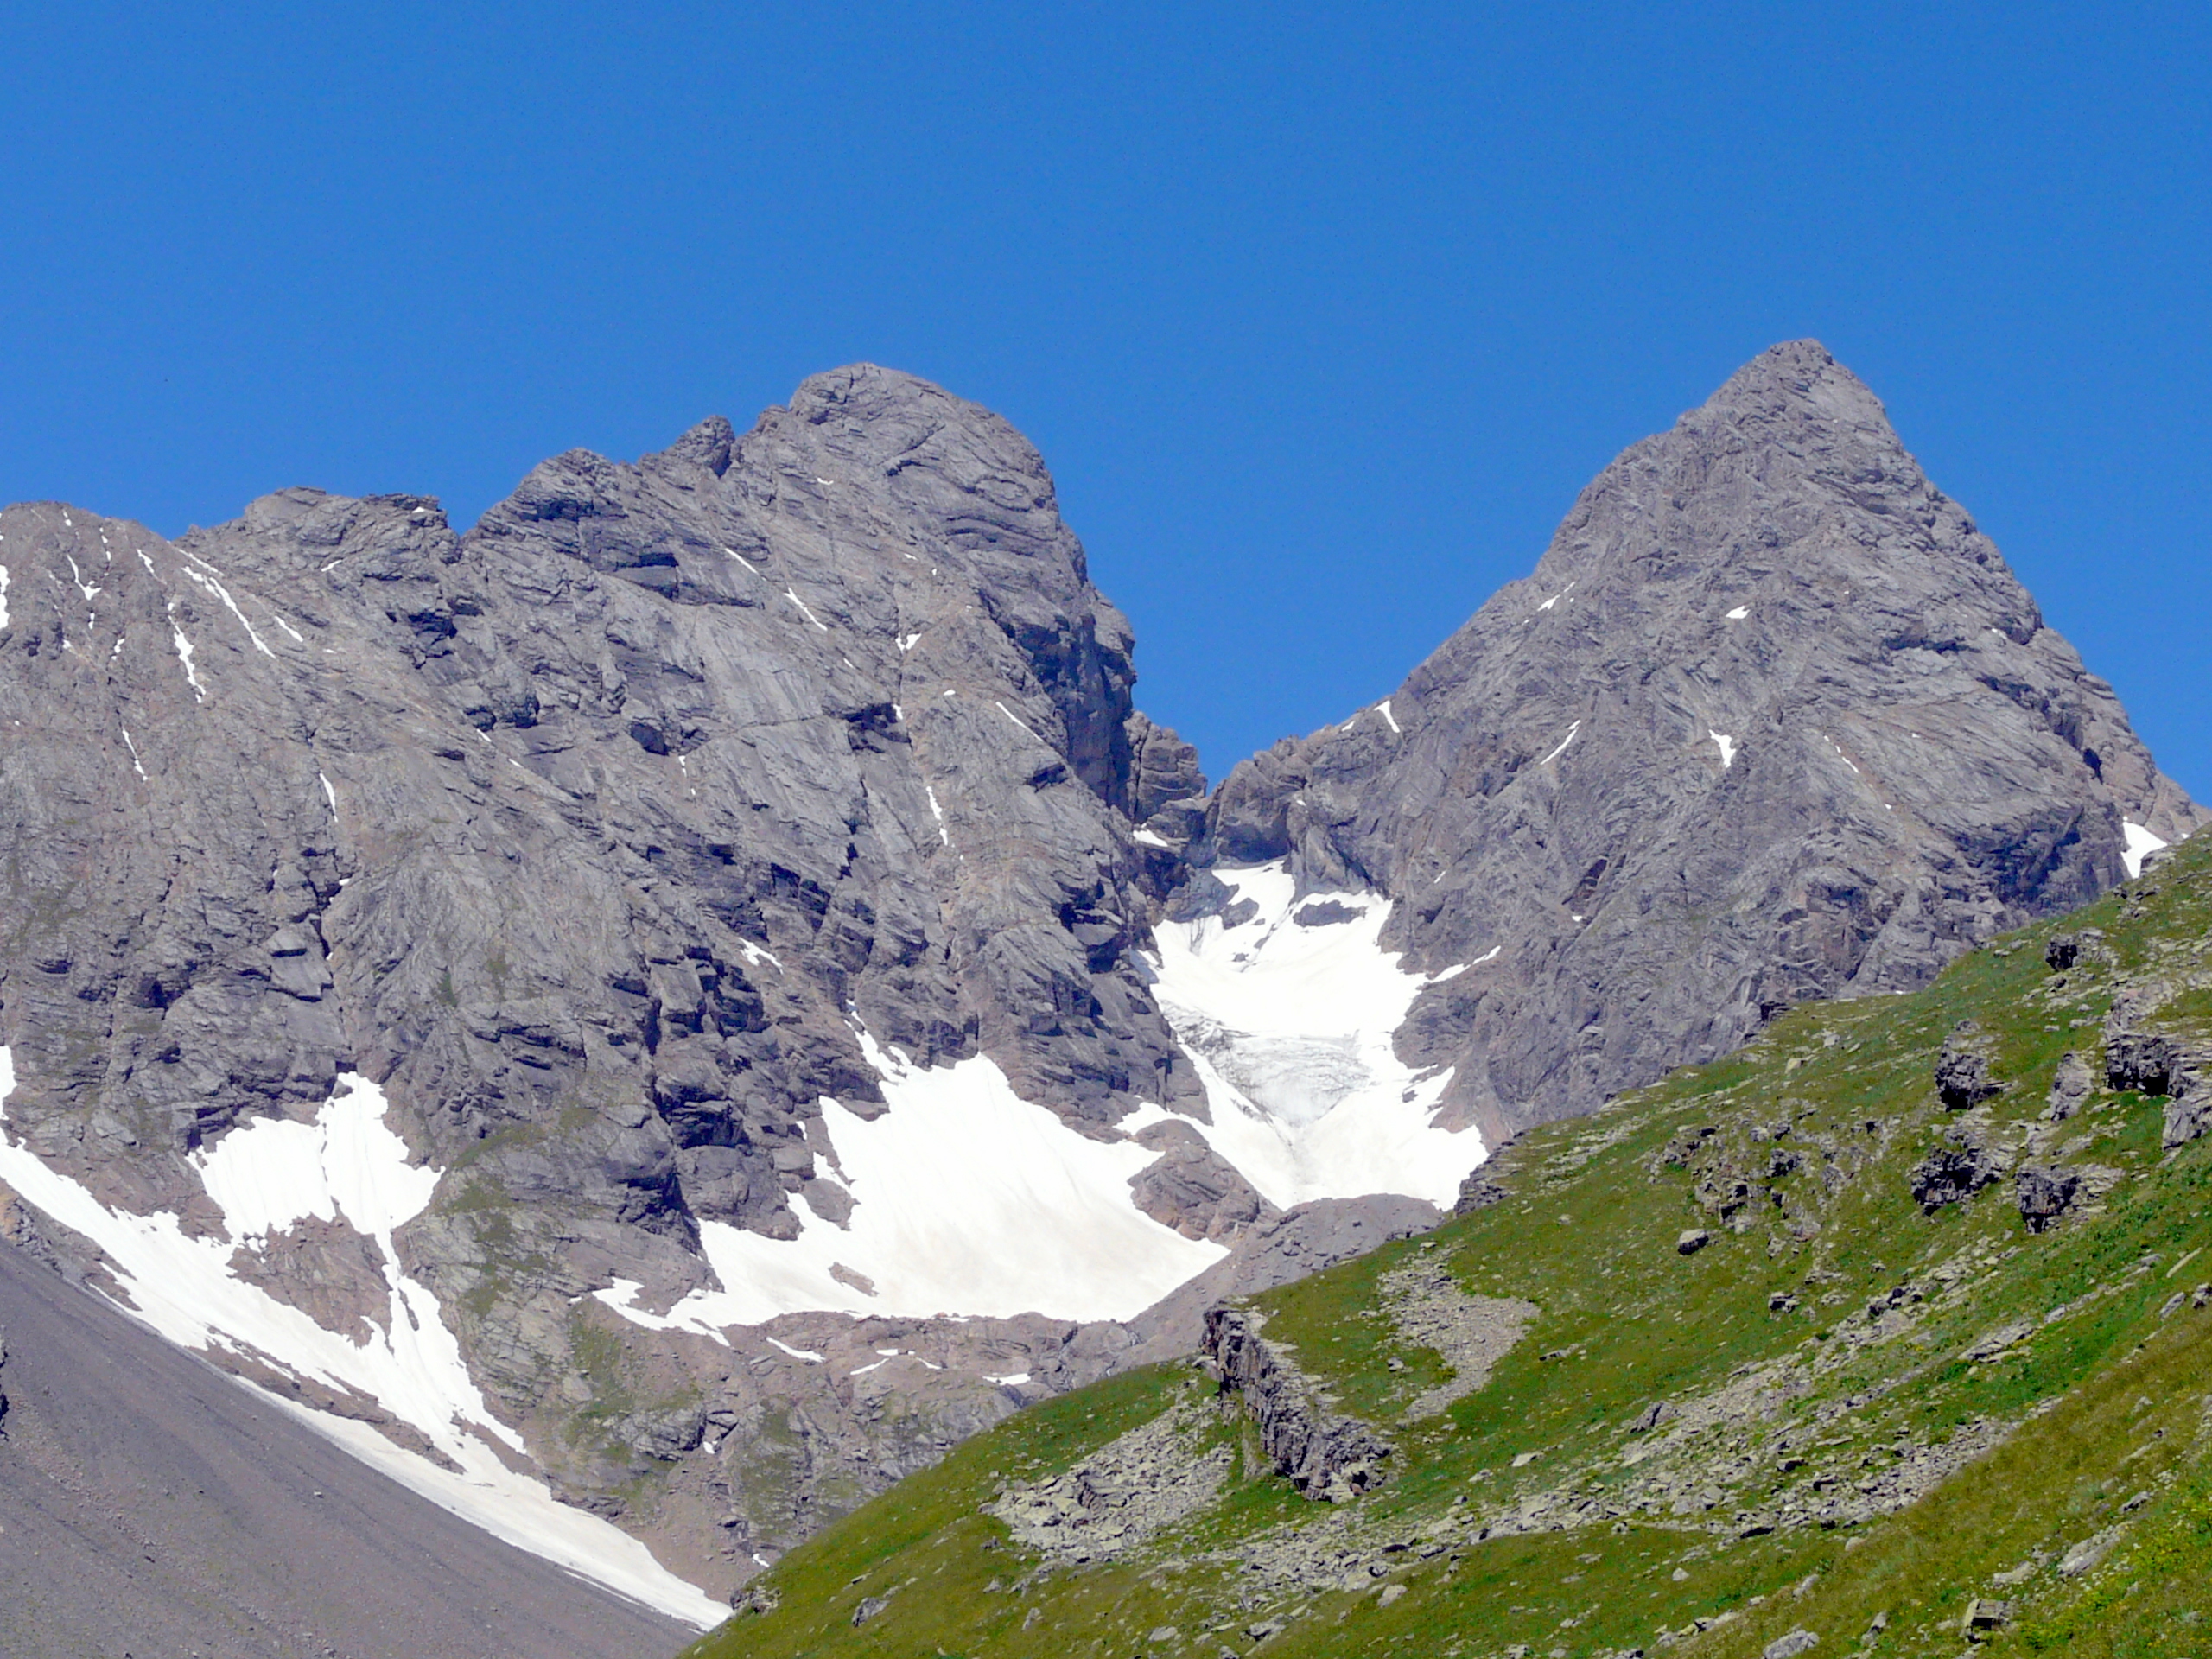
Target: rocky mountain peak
x,y
1772,719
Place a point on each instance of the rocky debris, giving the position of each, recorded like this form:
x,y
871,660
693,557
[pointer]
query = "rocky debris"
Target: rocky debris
x,y
2069,1086
2046,1195
1430,1309
1693,1240
1325,1454
1963,1079
868,1608
1953,1175
1649,788
1658,1412
1124,1495
1789,1646
2089,1554
1298,1242
1477,1192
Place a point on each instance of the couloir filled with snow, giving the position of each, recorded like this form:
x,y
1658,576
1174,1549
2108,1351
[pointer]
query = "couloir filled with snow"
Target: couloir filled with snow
x,y
1290,1022
347,1166
967,1200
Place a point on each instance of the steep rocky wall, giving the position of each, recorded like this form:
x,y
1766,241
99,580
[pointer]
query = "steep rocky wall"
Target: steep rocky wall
x,y
1771,720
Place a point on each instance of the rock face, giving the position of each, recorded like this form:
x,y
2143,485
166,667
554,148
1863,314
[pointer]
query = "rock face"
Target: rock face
x,y
1324,1453
1770,721
639,962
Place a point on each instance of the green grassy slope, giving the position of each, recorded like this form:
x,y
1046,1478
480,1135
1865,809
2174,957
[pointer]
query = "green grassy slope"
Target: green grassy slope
x,y
1872,1415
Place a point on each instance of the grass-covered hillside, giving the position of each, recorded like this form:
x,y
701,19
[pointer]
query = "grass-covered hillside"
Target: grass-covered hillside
x,y
1873,1407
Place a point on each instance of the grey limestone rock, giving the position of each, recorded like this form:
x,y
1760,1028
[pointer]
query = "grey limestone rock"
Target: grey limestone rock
x,y
2044,1195
1770,721
2069,1086
1963,1079
1324,1453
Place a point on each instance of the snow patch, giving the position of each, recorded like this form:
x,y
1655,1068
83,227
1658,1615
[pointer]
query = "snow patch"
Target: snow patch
x,y
806,1354
1290,1028
1016,718
271,1173
1011,1380
184,655
1563,743
133,747
1726,745
1740,613
937,812
966,1199
908,641
1383,709
328,793
2141,843
1489,955
793,595
222,593
1146,838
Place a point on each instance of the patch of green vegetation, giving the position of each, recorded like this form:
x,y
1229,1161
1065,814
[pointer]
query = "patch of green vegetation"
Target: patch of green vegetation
x,y
1869,1416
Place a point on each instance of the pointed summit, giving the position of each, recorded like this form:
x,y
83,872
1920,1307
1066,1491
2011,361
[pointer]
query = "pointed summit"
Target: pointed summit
x,y
1771,720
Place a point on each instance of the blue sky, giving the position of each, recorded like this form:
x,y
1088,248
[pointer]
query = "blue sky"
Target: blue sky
x,y
1321,314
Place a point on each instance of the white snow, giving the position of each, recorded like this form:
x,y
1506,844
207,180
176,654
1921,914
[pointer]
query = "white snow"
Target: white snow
x,y
1146,838
271,1173
742,559
222,593
1840,755
133,747
328,793
1290,1029
2141,843
184,656
908,641
1011,1379
298,638
793,595
1563,743
967,1200
1488,956
863,1370
756,954
1740,613
937,812
1383,709
1548,603
808,1354
1726,745
1016,718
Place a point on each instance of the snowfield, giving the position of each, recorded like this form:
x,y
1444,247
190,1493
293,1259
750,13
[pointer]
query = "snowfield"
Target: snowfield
x,y
1290,1023
347,1166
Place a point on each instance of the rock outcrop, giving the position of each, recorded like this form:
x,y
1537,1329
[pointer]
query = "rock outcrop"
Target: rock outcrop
x,y
1322,1452
1770,721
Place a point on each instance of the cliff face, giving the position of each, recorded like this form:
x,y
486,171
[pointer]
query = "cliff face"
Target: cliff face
x,y
1770,721
702,991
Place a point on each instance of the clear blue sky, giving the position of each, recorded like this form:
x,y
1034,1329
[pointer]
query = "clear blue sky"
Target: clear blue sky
x,y
1321,315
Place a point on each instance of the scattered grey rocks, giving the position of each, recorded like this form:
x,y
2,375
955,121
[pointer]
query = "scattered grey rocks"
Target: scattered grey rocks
x,y
1693,1240
2089,1554
2159,1063
1963,1078
1789,1646
1324,1453
1473,1333
868,1608
1122,1496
